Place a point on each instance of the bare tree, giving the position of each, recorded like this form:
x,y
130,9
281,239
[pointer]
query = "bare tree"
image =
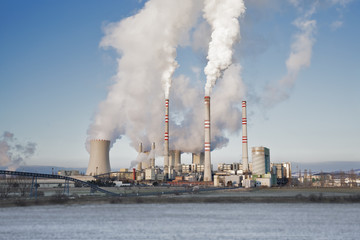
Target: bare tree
x,y
352,178
305,178
7,186
322,179
24,185
342,179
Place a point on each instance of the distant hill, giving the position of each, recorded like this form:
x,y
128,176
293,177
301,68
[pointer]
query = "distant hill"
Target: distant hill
x,y
45,169
326,166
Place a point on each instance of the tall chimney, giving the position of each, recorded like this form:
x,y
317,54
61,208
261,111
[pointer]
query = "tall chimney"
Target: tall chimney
x,y
244,139
207,143
139,166
99,157
166,137
152,157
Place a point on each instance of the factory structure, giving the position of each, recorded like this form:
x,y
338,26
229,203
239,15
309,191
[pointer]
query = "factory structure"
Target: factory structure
x,y
259,172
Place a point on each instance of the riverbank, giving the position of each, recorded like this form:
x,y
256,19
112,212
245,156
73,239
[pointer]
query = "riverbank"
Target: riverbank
x,y
265,195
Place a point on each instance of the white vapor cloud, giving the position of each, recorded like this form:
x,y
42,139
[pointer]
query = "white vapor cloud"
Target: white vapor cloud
x,y
223,19
13,153
299,57
135,105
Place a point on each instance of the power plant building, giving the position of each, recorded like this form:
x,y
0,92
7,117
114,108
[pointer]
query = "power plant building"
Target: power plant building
x,y
260,160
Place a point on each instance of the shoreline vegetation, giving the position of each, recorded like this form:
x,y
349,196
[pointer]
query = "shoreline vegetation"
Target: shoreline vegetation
x,y
262,195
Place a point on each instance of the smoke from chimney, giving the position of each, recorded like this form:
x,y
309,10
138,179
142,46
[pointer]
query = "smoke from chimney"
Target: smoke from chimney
x,y
223,19
133,105
299,58
137,83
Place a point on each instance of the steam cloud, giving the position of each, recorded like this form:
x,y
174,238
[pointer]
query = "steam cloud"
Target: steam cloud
x,y
13,153
223,19
299,58
134,106
301,47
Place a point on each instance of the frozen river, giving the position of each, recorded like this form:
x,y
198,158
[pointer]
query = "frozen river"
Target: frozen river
x,y
182,221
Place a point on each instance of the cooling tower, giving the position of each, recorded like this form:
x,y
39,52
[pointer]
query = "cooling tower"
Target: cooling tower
x,y
152,157
177,160
166,137
99,157
198,158
207,144
245,162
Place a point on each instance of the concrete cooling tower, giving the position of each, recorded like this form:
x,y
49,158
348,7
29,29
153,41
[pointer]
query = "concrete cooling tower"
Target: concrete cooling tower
x,y
99,157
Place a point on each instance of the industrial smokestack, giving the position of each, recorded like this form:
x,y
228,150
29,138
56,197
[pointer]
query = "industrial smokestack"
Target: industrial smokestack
x,y
166,137
207,143
152,157
244,139
99,157
139,166
177,160
134,174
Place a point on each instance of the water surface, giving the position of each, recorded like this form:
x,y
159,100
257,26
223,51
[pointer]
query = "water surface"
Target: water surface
x,y
182,221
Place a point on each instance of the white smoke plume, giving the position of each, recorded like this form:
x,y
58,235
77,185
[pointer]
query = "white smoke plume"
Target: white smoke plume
x,y
144,158
340,6
225,108
299,58
223,19
147,45
169,71
187,133
14,153
134,106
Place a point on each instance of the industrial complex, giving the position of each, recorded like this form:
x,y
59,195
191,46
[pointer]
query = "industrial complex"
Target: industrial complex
x,y
259,172
174,177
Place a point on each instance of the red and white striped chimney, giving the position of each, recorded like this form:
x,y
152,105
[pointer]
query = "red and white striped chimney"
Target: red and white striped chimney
x,y
166,137
207,144
244,139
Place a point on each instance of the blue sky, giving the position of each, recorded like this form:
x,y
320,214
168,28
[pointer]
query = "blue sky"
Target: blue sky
x,y
53,75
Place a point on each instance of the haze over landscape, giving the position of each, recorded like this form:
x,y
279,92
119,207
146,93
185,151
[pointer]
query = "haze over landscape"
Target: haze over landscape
x,y
77,70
